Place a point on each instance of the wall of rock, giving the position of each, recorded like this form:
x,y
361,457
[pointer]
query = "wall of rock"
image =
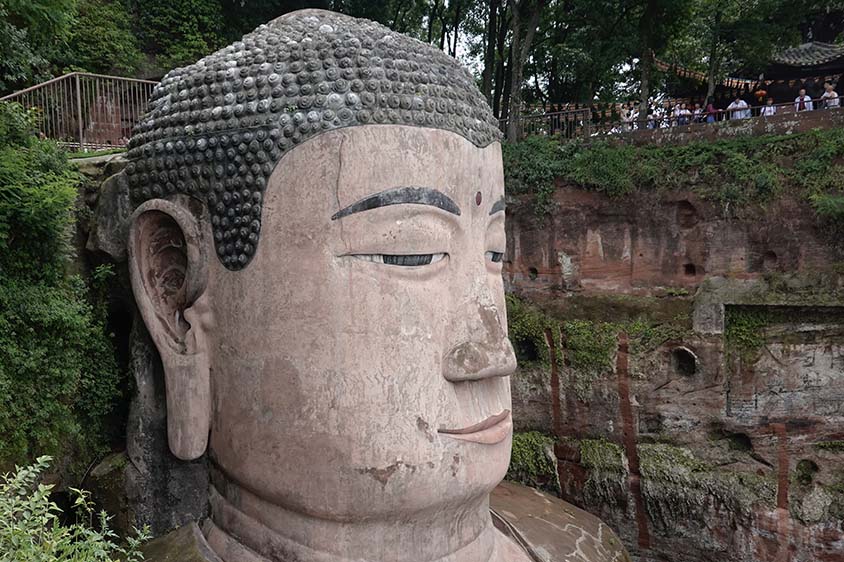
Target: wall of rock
x,y
693,381
144,484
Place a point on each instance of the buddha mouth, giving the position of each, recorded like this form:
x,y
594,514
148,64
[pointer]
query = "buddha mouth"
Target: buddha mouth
x,y
494,429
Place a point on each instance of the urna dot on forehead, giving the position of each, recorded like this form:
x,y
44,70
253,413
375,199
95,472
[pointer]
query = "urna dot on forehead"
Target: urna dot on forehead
x,y
216,129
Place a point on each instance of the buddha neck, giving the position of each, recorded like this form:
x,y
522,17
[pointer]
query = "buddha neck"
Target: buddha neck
x,y
245,528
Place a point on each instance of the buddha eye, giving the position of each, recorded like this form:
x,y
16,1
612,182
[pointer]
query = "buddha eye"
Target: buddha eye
x,y
406,260
495,256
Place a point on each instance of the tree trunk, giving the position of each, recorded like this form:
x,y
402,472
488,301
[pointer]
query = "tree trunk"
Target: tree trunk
x,y
456,29
645,87
489,55
432,17
508,85
714,56
499,108
524,20
646,36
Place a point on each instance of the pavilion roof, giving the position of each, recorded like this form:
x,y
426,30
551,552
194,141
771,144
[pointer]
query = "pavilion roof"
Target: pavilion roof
x,y
810,54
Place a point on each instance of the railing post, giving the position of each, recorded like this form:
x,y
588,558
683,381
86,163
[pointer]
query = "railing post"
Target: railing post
x,y
79,111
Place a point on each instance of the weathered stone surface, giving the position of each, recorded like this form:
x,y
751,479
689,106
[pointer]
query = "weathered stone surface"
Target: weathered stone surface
x,y
101,166
677,241
739,448
185,544
109,226
106,482
554,530
163,492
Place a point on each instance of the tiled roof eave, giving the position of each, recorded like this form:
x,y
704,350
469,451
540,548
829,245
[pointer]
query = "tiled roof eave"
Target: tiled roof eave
x,y
808,55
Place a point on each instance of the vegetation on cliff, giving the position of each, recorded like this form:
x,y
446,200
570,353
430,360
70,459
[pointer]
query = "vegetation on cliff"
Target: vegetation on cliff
x,y
676,485
736,173
586,347
58,374
532,461
31,529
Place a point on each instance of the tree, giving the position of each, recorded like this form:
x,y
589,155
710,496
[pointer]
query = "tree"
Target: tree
x,y
30,30
179,32
525,16
659,22
101,40
732,37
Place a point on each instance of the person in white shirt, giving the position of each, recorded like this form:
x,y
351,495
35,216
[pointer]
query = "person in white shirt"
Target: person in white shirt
x,y
803,102
684,115
738,109
770,109
830,96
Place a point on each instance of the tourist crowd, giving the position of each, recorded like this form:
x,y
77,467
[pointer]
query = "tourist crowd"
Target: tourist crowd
x,y
677,113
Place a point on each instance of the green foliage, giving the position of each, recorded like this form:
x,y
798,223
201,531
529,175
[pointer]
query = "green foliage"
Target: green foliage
x,y
601,455
31,31
17,125
590,346
830,446
744,330
102,39
527,328
531,166
530,464
58,374
604,168
179,32
734,172
95,153
828,206
31,528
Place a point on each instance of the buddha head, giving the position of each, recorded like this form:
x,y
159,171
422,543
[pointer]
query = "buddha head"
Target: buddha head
x,y
316,252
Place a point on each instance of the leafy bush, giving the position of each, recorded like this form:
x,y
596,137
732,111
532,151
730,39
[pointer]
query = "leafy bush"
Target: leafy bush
x,y
531,166
179,32
58,374
828,206
31,529
734,172
102,39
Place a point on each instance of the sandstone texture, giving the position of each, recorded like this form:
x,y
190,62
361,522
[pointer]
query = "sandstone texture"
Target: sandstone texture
x,y
713,429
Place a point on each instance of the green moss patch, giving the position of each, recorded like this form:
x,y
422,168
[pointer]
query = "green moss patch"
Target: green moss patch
x,y
830,446
589,346
676,485
531,462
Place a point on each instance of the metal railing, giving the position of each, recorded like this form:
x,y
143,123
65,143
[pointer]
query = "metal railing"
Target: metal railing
x,y
569,124
87,111
694,118
585,123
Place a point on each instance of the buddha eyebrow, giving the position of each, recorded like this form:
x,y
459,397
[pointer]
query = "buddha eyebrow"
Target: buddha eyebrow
x,y
401,196
498,206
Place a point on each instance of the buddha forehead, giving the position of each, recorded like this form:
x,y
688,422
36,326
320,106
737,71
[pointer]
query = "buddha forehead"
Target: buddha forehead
x,y
216,130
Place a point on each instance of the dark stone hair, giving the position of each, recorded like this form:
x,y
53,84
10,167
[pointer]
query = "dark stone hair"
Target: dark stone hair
x,y
216,129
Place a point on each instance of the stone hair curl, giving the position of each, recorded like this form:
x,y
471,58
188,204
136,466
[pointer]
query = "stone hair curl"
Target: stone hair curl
x,y
216,129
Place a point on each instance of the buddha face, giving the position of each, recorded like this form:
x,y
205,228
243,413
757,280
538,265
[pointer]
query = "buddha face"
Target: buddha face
x,y
359,365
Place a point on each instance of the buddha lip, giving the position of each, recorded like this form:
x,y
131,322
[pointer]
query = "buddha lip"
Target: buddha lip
x,y
492,430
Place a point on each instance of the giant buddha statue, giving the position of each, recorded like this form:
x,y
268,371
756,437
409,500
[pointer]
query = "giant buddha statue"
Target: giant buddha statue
x,y
316,251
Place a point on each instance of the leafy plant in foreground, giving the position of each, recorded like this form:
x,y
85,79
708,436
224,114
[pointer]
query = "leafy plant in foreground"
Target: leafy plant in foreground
x,y
31,529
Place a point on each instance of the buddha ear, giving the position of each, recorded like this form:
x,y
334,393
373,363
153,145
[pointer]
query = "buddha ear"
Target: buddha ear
x,y
169,272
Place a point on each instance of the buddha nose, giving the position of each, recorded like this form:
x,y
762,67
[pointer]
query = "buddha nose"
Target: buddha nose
x,y
485,351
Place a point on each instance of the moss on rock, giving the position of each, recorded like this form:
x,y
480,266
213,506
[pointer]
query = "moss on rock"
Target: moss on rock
x,y
532,461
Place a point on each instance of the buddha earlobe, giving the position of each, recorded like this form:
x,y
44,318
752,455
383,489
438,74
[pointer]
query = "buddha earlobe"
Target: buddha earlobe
x,y
169,272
